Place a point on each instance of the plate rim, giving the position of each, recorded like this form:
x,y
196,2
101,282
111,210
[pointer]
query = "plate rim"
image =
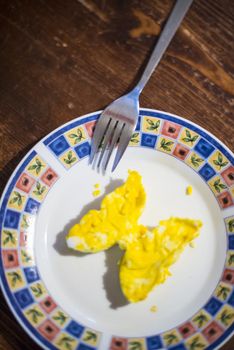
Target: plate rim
x,y
20,163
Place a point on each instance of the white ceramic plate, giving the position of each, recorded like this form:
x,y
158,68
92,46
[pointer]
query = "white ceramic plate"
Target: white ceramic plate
x,y
66,300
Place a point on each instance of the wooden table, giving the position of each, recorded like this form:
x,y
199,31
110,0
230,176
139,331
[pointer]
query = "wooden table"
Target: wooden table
x,y
60,59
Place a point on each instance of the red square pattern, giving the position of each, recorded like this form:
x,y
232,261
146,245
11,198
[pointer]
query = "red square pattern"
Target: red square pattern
x,y
48,329
49,177
48,304
228,276
180,151
228,175
23,239
118,344
10,258
171,129
186,330
212,332
225,200
90,128
25,183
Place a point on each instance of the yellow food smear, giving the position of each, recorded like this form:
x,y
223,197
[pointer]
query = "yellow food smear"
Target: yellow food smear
x,y
117,218
189,190
96,185
149,253
96,193
153,308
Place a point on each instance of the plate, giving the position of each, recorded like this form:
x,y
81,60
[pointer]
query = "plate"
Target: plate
x,y
67,300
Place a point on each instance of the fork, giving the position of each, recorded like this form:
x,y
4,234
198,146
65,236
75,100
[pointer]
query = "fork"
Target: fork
x,y
118,120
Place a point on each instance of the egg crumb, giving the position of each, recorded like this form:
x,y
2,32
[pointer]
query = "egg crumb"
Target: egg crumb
x,y
96,193
153,308
189,190
96,185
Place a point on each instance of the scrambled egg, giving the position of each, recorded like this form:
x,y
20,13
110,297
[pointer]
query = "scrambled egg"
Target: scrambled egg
x,y
148,252
146,261
120,210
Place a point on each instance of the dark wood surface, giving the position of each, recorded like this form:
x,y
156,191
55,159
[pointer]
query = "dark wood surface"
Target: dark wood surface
x,y
60,59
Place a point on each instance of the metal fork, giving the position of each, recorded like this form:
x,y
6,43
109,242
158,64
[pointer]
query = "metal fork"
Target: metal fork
x,y
118,120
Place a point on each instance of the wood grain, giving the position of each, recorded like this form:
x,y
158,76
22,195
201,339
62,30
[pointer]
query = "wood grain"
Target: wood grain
x,y
63,59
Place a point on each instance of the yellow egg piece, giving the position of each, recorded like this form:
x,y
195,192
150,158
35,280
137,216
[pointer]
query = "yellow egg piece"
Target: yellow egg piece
x,y
146,262
120,210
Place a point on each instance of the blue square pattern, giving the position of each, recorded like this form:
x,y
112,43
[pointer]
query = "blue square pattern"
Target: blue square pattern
x,y
138,126
231,242
154,343
12,219
207,172
83,150
32,206
59,145
31,274
231,299
75,329
204,148
178,347
148,140
213,306
84,347
23,298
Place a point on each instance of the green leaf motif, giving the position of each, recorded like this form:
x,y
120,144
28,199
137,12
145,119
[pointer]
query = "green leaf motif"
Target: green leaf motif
x,y
231,225
223,292
69,159
189,137
15,278
61,318
226,317
200,319
35,314
219,161
90,336
196,344
37,166
9,237
171,338
231,259
219,186
32,167
17,198
196,161
39,189
152,125
25,223
165,145
77,137
26,257
66,341
134,138
37,290
135,345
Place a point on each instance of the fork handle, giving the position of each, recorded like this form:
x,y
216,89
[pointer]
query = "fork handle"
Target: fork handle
x,y
179,11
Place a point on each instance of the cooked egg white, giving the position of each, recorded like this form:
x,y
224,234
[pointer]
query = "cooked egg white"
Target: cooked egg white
x,y
115,221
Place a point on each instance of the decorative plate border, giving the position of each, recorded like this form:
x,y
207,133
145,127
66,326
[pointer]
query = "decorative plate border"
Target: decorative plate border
x,y
26,294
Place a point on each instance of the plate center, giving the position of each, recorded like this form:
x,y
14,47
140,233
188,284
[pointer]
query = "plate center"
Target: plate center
x,y
87,286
